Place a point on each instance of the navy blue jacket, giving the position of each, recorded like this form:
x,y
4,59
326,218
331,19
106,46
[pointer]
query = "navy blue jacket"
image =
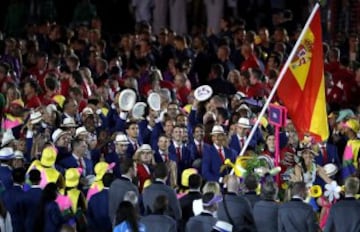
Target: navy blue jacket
x,y
211,162
6,176
14,200
98,212
33,197
53,218
70,162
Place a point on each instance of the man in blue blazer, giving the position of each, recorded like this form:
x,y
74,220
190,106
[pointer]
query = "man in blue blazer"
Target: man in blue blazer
x,y
135,139
161,155
178,152
14,200
77,159
215,155
98,208
238,140
6,156
197,145
328,154
33,197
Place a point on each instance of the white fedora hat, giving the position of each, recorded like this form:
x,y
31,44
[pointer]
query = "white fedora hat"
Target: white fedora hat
x,y
7,138
244,123
81,131
18,155
35,117
154,101
127,99
121,138
6,153
57,134
138,110
68,122
145,147
217,129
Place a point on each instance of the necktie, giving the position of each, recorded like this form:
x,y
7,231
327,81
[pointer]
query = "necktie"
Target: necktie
x,y
80,163
165,157
178,154
199,149
135,147
242,141
221,155
325,155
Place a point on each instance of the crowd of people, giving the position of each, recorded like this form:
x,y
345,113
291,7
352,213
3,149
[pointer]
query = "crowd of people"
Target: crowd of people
x,y
77,153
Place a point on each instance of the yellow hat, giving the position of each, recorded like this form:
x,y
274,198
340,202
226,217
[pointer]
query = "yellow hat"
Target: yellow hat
x,y
353,124
48,156
72,177
101,168
185,176
59,99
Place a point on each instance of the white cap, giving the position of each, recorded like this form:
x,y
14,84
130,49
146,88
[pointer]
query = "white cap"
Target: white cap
x,y
244,123
35,117
145,147
6,153
57,134
121,138
68,122
217,129
18,155
7,138
81,131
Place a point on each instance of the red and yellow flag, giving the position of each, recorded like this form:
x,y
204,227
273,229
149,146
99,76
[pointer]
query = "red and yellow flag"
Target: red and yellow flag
x,y
302,89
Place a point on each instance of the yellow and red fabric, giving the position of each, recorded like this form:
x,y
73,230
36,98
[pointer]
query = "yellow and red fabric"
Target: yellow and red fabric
x,y
302,89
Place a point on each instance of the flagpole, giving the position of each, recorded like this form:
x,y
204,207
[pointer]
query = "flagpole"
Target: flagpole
x,y
277,83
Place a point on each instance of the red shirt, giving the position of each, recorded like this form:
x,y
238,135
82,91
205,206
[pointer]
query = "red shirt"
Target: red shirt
x,y
257,90
182,94
143,175
33,102
40,76
249,63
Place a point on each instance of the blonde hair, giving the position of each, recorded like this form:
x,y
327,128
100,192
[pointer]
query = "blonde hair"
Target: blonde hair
x,y
212,187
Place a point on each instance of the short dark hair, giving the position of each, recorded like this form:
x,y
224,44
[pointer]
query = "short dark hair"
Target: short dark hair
x,y
75,142
161,171
18,175
35,176
77,77
251,182
126,165
195,181
298,188
218,69
269,190
129,123
160,204
108,179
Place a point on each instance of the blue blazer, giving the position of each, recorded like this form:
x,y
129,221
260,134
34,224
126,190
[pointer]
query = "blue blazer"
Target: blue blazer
x,y
235,143
33,197
193,149
332,153
14,200
70,162
98,212
6,176
211,162
186,158
155,134
53,218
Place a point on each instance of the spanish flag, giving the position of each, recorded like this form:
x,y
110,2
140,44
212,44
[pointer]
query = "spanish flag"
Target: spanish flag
x,y
302,89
